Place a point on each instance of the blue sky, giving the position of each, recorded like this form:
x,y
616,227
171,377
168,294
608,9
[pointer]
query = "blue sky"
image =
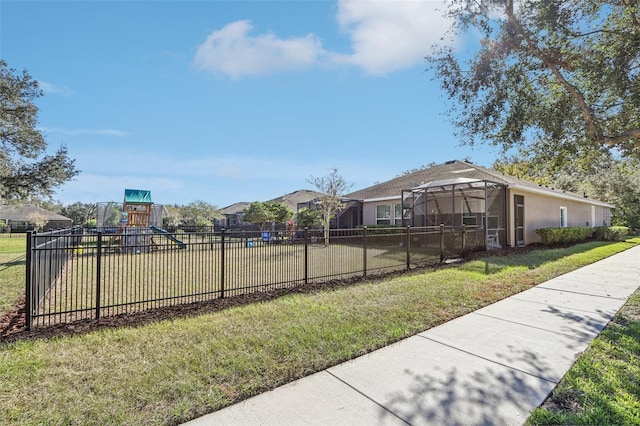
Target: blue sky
x,y
233,101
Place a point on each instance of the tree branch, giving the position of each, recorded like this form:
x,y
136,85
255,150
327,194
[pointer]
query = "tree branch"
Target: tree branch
x,y
587,115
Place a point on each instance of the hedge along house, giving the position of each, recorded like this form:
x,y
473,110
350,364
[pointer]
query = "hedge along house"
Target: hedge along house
x,y
458,193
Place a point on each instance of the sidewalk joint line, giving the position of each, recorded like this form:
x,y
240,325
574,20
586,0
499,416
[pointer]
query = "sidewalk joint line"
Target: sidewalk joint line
x,y
490,360
578,292
560,306
368,397
587,339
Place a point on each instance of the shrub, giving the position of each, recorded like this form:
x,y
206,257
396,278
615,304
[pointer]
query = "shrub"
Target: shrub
x,y
611,233
562,236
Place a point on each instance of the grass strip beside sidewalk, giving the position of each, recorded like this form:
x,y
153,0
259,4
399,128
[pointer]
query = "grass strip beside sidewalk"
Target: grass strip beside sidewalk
x,y
603,386
172,371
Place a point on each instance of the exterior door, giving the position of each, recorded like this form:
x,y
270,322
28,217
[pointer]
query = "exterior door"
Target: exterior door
x,y
518,201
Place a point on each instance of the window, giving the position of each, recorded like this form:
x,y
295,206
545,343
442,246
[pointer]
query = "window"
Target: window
x,y
493,222
469,219
563,217
397,214
383,214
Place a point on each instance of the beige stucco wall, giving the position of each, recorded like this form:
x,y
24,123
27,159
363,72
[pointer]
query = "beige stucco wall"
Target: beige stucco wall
x,y
369,213
369,210
542,211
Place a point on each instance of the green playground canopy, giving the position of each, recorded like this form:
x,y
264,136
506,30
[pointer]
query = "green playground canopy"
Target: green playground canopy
x,y
138,196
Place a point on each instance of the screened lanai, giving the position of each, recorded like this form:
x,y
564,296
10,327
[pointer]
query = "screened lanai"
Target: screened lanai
x,y
479,205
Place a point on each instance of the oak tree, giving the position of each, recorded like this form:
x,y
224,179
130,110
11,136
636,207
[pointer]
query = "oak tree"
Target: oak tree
x,y
25,171
559,78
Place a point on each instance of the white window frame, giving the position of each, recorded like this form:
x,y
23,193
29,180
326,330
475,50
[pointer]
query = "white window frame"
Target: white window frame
x,y
387,218
564,217
397,214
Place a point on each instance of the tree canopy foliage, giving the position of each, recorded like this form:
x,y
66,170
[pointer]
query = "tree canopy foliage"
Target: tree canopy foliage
x,y
269,212
308,218
80,213
198,214
559,78
25,172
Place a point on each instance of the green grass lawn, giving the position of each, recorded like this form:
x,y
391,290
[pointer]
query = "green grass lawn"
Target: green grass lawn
x,y
132,282
172,371
12,269
13,243
603,386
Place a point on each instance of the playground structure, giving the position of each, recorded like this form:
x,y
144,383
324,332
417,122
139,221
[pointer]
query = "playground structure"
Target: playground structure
x,y
134,223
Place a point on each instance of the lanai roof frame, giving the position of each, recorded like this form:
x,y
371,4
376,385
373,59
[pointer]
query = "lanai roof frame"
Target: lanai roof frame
x,y
417,200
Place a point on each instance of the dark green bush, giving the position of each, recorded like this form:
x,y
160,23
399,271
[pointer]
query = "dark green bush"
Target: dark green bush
x,y
611,233
561,236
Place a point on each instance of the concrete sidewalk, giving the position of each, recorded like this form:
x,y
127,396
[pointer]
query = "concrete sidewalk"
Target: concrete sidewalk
x,y
492,366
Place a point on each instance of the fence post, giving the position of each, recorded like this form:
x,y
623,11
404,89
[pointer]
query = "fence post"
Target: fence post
x,y
306,255
408,244
364,251
27,291
98,274
464,238
441,242
224,231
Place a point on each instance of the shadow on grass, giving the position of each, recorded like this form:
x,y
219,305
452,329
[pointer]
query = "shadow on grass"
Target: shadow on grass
x,y
18,261
601,388
532,258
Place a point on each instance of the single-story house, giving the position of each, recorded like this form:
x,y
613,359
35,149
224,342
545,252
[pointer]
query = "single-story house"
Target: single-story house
x,y
297,198
460,193
232,216
28,217
233,213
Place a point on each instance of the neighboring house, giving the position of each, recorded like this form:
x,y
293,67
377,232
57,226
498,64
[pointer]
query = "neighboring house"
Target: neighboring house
x,y
232,216
298,198
293,200
458,193
27,218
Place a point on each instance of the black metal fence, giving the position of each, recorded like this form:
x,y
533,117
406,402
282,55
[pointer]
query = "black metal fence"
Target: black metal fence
x,y
73,275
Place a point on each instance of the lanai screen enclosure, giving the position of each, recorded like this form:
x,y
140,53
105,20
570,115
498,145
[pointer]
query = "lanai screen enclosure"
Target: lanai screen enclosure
x,y
477,204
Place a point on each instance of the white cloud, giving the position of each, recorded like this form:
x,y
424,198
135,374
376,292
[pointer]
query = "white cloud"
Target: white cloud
x,y
234,52
386,36
78,132
49,88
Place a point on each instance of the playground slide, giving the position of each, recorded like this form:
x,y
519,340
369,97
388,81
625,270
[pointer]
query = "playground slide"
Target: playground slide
x,y
157,230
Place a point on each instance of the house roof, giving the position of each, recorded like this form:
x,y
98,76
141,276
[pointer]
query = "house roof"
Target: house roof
x,y
28,213
458,171
235,208
292,199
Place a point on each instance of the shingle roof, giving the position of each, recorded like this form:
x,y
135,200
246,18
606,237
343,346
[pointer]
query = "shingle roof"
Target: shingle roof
x,y
453,170
448,170
292,199
235,208
28,212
